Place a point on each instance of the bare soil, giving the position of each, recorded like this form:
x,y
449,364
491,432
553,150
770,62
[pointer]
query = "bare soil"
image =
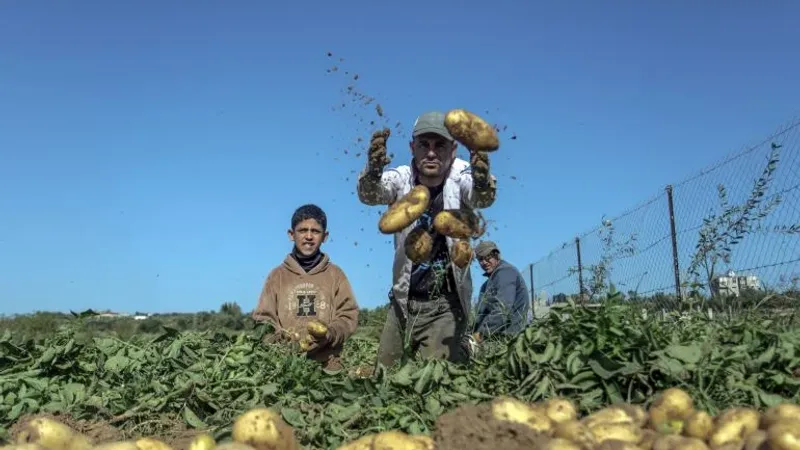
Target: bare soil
x,y
473,427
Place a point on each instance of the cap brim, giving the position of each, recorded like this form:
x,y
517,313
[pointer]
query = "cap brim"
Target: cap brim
x,y
439,131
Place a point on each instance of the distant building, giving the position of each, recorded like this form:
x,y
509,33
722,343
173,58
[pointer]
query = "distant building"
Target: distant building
x,y
732,285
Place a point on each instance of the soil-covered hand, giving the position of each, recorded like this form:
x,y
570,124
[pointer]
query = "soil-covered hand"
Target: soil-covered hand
x,y
377,158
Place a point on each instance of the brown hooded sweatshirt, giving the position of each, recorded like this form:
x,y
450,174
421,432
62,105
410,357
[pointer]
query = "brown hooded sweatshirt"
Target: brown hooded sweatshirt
x,y
292,297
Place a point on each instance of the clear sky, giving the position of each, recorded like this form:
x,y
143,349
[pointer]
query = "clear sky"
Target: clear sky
x,y
152,152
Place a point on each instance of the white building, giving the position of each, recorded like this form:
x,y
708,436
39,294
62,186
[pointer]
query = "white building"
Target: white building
x,y
733,285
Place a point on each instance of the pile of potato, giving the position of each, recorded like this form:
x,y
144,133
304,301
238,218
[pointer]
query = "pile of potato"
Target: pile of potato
x,y
671,422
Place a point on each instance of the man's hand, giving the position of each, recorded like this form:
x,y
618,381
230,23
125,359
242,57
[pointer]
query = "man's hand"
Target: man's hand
x,y
376,155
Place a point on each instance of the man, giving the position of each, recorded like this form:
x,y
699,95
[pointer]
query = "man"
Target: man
x,y
503,302
306,287
429,301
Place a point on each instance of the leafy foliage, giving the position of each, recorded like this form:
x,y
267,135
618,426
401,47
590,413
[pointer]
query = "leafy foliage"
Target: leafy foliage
x,y
593,355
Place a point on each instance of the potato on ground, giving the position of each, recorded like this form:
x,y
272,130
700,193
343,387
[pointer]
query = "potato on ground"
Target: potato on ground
x,y
734,425
418,245
561,444
152,444
233,445
669,411
698,425
52,435
462,254
203,441
756,440
784,435
576,432
118,445
471,130
512,410
676,442
779,413
263,429
613,444
397,440
626,432
609,414
405,211
560,410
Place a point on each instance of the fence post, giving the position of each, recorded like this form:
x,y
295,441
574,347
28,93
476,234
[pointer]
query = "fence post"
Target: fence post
x,y
533,293
675,265
580,269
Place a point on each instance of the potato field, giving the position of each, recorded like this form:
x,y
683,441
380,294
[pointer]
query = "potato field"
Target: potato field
x,y
578,379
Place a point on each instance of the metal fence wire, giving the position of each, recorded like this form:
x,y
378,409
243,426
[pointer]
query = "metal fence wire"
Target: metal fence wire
x,y
730,229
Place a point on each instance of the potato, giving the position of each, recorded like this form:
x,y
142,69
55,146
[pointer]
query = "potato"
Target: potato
x,y
317,329
669,410
560,410
733,425
233,446
577,432
613,444
52,435
698,425
405,211
306,343
471,131
418,245
561,444
152,444
462,254
459,223
737,444
784,435
675,442
362,443
29,446
756,440
627,432
119,445
425,440
396,440
780,412
263,429
609,414
512,410
203,442
648,439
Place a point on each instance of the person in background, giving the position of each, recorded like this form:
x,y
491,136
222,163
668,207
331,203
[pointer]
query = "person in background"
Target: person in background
x,y
429,302
308,286
503,303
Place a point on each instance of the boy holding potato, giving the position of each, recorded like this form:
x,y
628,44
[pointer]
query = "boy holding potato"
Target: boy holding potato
x,y
307,290
429,300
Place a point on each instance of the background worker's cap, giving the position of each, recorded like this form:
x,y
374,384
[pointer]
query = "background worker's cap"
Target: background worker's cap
x,y
431,122
484,248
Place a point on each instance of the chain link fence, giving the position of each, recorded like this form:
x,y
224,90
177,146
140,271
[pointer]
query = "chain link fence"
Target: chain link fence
x,y
730,231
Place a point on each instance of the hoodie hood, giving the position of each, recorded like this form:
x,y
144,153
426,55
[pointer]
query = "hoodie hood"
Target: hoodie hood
x,y
291,264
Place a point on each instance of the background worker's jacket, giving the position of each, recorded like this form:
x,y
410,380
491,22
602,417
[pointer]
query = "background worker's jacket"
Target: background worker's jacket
x,y
457,192
291,298
503,302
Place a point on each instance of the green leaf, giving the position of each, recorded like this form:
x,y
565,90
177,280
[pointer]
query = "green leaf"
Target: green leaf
x,y
191,418
293,417
689,354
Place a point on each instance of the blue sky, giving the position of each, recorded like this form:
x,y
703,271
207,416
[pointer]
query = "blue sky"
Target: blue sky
x,y
151,153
